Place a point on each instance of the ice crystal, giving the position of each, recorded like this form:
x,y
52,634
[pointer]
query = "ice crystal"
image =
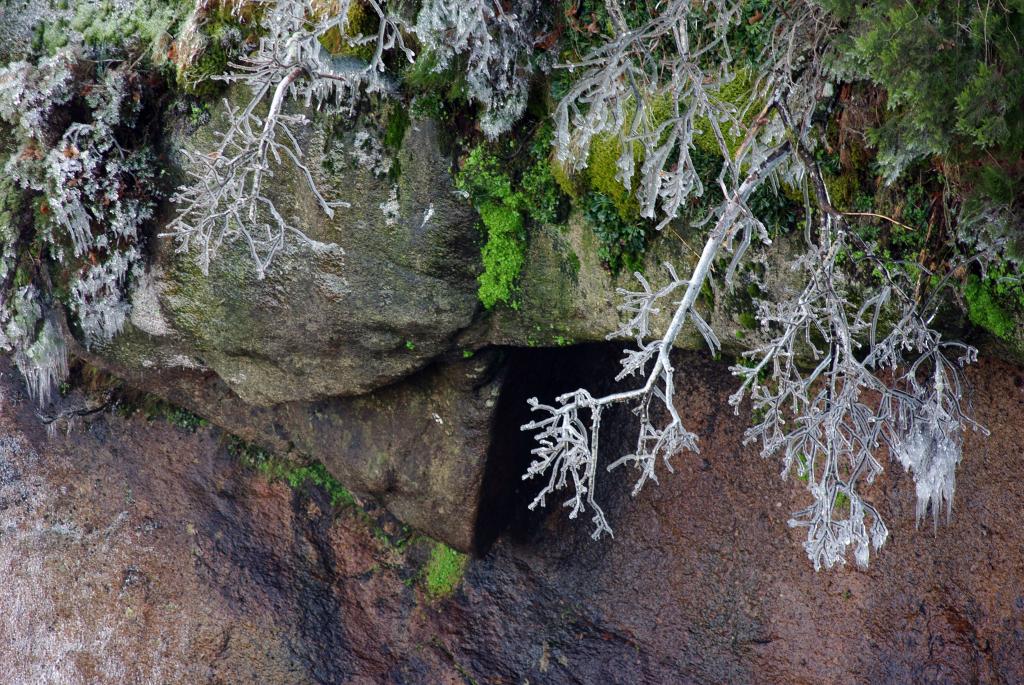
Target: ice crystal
x,y
31,333
495,39
96,189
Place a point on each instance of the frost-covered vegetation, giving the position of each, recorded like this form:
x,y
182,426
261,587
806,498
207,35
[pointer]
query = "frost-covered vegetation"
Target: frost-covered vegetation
x,y
85,163
731,120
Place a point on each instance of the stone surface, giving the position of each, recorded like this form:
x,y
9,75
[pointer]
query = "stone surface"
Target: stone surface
x,y
374,304
133,551
370,301
420,446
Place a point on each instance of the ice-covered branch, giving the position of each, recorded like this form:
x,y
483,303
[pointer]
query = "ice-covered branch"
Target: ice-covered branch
x,y
831,388
227,199
568,448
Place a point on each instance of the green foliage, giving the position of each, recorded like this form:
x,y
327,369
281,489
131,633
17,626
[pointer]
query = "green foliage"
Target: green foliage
x,y
504,206
422,78
481,176
156,409
443,571
503,253
953,72
748,320
538,182
297,475
107,23
430,106
621,243
995,302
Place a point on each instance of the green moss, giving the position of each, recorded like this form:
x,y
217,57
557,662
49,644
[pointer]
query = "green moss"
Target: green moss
x,y
444,571
445,87
296,474
569,184
503,253
989,309
504,207
395,127
361,22
197,79
602,167
50,37
748,320
482,177
735,93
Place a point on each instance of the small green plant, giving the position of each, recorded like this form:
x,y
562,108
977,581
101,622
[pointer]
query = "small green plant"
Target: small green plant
x,y
296,474
443,571
410,345
622,243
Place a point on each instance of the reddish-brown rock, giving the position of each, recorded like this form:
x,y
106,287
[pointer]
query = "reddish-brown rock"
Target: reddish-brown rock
x,y
134,551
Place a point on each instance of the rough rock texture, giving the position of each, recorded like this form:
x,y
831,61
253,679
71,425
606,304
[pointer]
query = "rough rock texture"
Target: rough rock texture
x,y
419,446
138,552
372,300
374,304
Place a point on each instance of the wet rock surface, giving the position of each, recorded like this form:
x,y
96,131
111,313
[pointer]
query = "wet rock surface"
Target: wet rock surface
x,y
135,551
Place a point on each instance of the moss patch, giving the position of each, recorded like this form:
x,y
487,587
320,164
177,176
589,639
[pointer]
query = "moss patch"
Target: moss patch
x,y
296,474
504,205
443,571
602,167
991,307
503,254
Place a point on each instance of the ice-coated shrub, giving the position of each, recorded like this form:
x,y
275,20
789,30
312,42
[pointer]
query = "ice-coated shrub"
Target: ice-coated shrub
x,y
94,185
840,370
496,41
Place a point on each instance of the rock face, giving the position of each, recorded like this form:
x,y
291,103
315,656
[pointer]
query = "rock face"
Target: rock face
x,y
377,295
351,349
374,303
133,551
375,444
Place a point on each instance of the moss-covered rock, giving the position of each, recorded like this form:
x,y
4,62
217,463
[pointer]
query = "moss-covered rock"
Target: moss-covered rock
x,y
332,316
